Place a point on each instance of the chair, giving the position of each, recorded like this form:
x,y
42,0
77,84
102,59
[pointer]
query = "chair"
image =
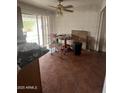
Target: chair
x,y
54,45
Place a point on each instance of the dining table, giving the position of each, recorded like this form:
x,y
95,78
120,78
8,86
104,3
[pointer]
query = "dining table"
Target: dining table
x,y
65,37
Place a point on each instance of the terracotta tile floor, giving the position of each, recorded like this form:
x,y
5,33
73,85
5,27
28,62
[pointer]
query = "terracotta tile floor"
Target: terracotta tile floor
x,y
73,74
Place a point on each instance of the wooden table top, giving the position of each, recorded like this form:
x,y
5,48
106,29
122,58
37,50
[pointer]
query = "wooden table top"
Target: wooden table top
x,y
28,79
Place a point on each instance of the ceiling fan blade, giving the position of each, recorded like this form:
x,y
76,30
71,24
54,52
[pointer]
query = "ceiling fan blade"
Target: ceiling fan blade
x,y
68,6
53,6
68,10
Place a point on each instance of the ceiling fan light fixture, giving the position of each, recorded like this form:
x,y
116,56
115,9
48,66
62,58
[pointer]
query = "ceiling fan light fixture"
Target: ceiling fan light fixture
x,y
59,13
60,8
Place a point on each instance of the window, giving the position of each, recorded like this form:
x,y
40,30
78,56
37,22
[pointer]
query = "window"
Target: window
x,y
32,29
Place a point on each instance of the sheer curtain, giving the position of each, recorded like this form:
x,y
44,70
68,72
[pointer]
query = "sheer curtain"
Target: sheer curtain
x,y
46,30
101,37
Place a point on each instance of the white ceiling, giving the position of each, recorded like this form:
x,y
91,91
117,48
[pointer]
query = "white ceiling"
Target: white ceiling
x,y
79,5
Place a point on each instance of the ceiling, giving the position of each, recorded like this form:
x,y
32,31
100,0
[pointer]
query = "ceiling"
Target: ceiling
x,y
79,5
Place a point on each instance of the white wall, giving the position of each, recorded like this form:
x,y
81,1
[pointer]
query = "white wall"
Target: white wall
x,y
83,20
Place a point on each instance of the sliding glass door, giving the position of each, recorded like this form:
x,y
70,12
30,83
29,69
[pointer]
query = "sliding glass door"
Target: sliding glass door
x,y
36,29
32,29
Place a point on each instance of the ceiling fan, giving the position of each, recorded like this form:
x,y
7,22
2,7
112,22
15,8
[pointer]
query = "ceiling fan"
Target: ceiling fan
x,y
60,8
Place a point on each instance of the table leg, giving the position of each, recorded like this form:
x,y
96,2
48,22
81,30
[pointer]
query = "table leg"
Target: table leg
x,y
65,43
